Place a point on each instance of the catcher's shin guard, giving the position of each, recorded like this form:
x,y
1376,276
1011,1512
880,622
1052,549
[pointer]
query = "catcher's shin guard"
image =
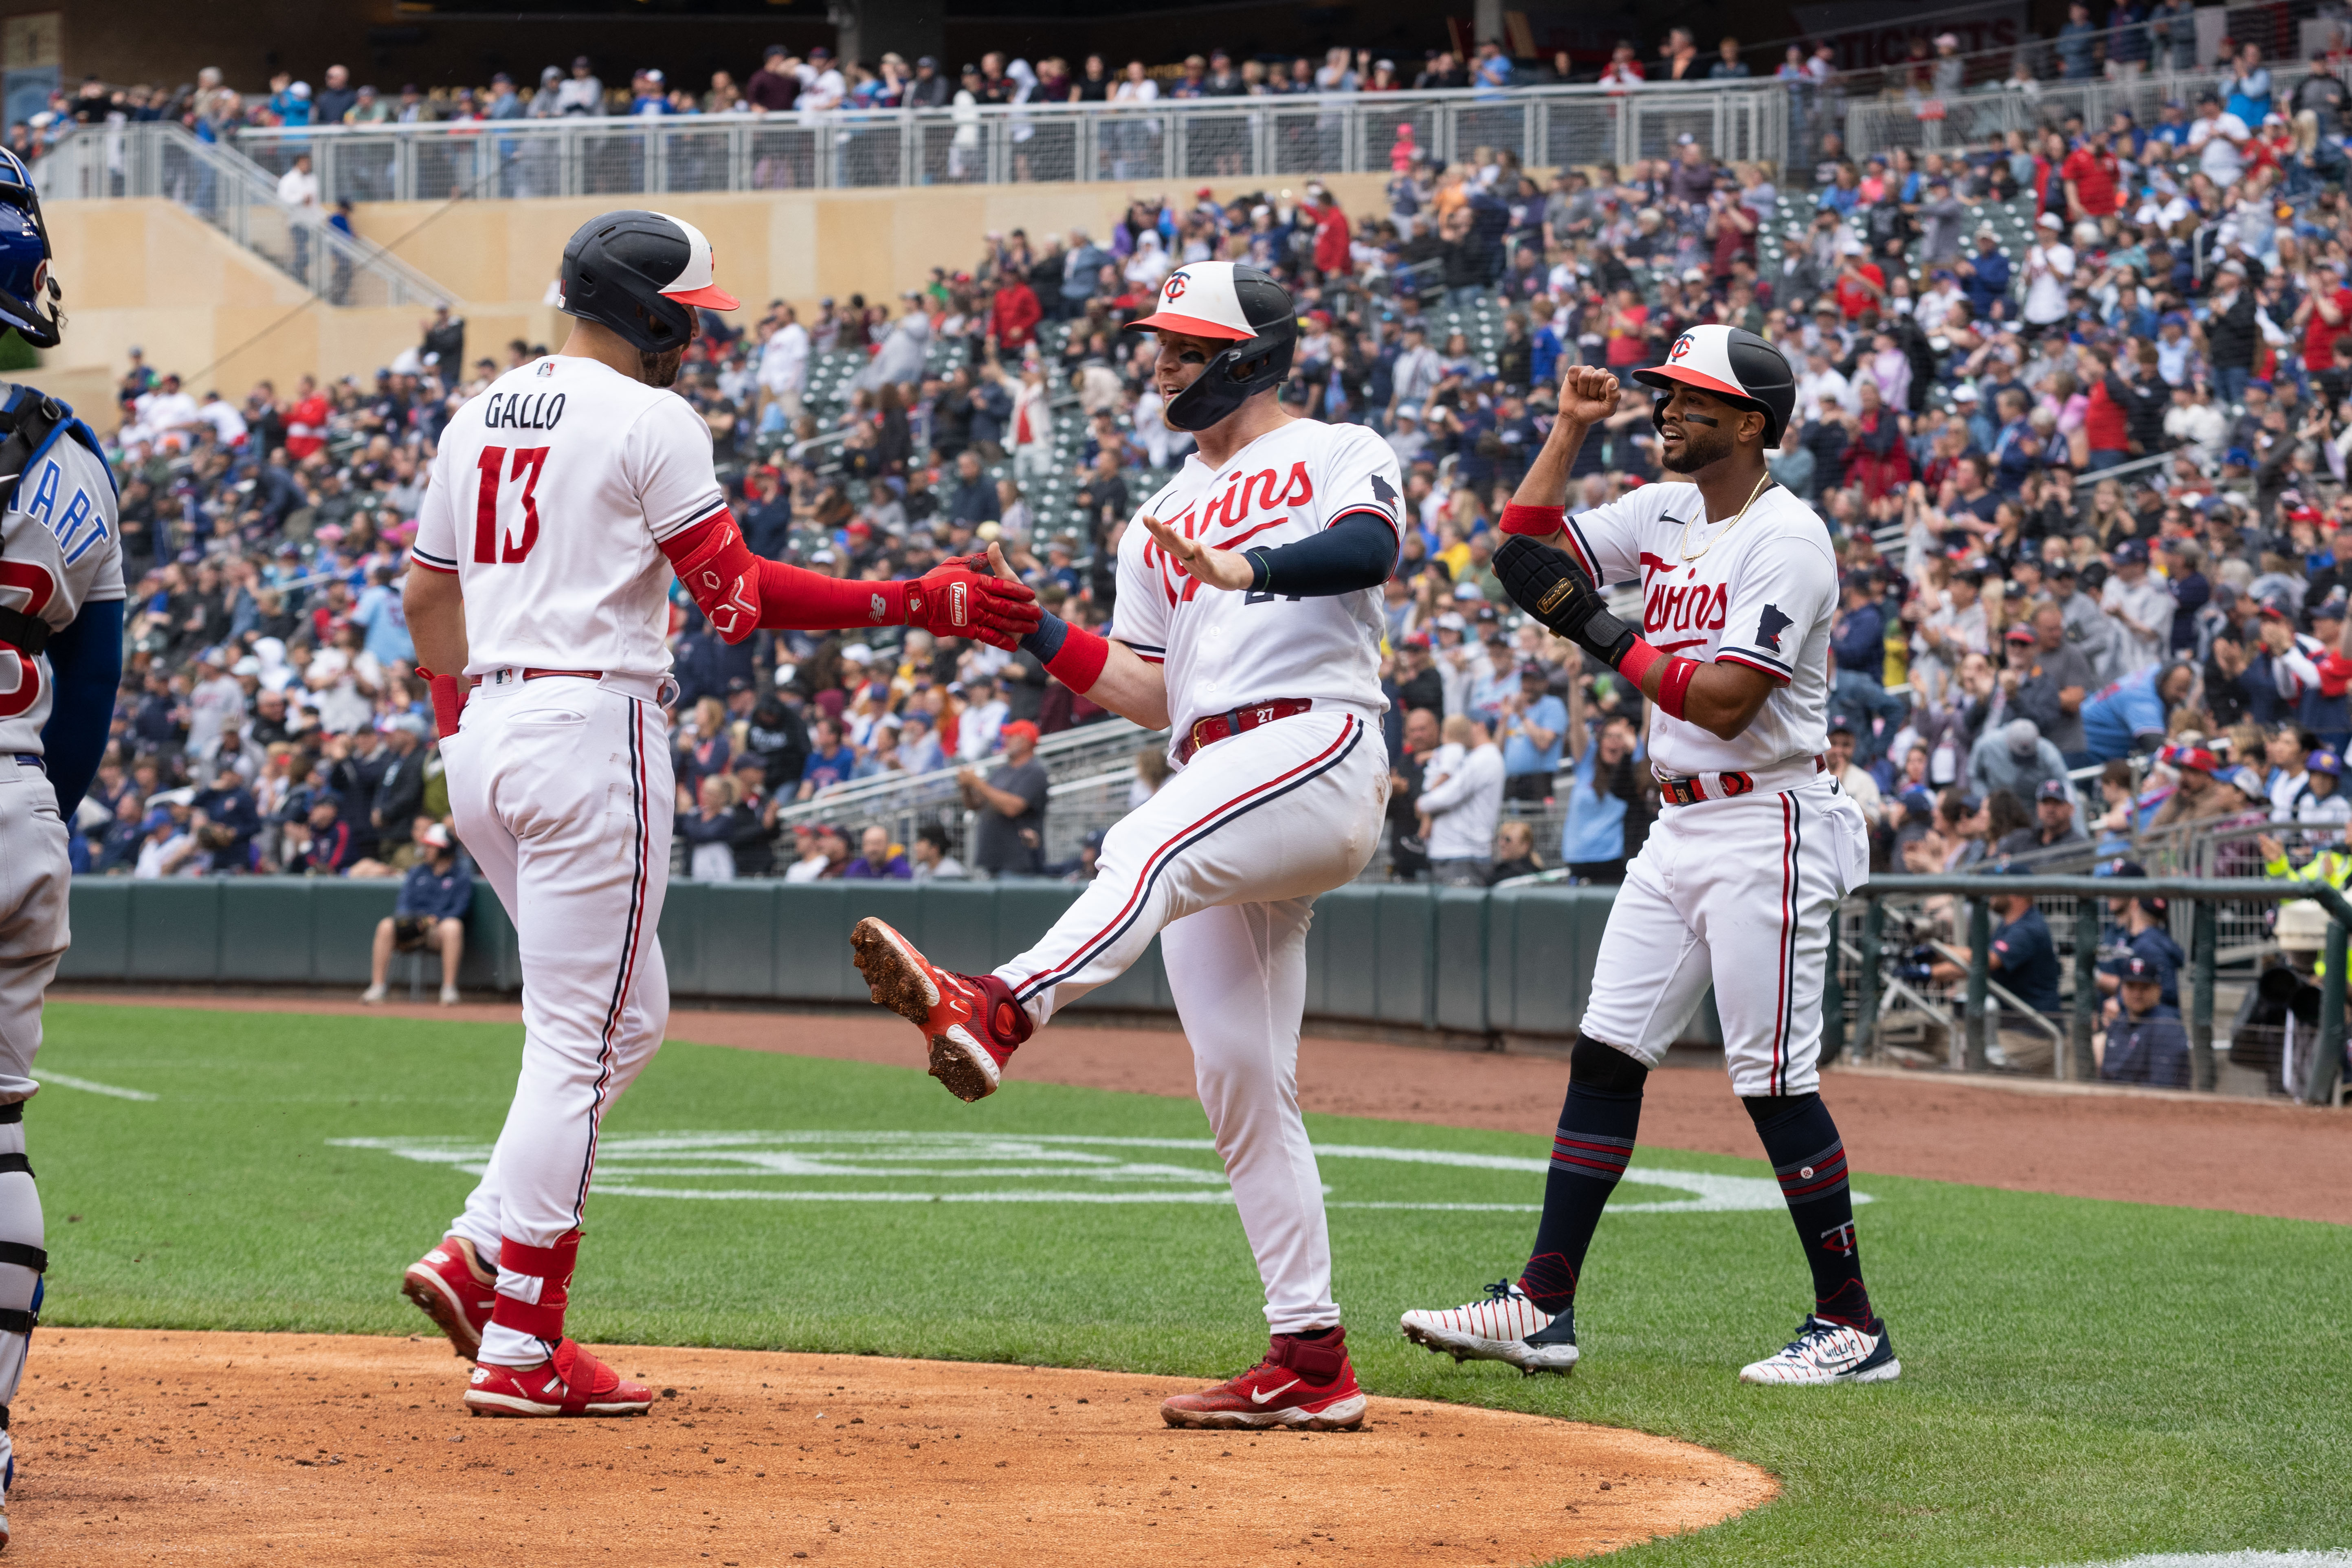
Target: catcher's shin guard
x,y
23,1261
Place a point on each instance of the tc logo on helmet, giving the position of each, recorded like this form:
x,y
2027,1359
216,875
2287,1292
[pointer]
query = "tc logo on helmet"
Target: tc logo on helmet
x,y
1682,346
1175,290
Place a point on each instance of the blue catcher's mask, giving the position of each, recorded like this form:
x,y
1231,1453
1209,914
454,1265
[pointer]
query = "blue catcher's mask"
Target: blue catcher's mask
x,y
29,295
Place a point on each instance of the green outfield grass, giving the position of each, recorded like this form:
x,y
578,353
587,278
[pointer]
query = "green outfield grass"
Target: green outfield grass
x,y
2081,1379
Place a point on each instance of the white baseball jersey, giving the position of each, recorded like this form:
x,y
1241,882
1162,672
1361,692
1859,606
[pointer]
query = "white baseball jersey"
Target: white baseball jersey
x,y
1758,589
548,500
59,550
1227,650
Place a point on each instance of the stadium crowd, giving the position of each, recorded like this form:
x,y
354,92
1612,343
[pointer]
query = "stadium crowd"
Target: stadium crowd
x,y
2076,406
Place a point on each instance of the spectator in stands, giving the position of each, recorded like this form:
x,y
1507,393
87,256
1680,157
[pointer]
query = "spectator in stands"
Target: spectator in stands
x,y
435,899
933,863
1462,804
1514,853
2145,1042
1534,726
1010,839
878,858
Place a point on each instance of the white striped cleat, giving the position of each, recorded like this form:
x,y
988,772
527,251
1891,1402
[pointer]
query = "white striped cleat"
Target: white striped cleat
x,y
1505,1327
1824,1352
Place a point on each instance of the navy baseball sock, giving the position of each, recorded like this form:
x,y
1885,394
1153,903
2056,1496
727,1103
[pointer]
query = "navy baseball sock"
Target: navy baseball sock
x,y
1597,1126
1808,1156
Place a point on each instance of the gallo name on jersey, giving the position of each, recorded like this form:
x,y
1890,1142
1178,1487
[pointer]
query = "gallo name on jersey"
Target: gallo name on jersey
x,y
550,494
1759,591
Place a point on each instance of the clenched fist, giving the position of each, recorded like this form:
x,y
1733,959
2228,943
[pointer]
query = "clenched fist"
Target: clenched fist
x,y
1588,394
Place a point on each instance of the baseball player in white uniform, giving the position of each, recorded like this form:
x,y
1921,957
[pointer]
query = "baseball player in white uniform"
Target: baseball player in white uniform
x,y
1740,882
1248,623
60,661
560,501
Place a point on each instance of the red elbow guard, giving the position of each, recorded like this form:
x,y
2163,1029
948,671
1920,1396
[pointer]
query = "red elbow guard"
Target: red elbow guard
x,y
1080,662
720,570
1538,521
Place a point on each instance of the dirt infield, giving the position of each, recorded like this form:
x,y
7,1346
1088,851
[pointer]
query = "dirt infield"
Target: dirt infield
x,y
2136,1146
333,1450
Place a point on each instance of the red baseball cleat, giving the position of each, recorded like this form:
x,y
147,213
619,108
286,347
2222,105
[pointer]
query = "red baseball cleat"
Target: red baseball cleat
x,y
450,1286
1305,1384
973,1022
570,1382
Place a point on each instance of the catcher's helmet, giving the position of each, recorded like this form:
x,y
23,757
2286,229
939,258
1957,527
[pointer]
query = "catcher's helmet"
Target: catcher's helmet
x,y
642,274
1241,305
29,295
1734,364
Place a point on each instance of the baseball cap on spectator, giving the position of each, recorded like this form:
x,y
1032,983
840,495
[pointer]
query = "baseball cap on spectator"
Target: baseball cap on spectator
x,y
2197,758
2324,762
2018,634
1020,727
2050,220
857,653
2138,971
1918,800
2054,789
2275,609
1840,726
2249,784
435,837
2131,549
1965,393
736,683
2331,609
1468,591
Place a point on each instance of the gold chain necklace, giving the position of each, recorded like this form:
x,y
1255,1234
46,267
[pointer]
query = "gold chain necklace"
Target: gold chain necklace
x,y
1727,521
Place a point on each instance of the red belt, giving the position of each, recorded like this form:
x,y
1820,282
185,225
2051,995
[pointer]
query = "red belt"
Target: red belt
x,y
1221,726
576,674
1690,789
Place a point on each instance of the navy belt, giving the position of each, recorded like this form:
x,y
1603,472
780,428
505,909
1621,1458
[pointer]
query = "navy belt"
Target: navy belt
x,y
30,761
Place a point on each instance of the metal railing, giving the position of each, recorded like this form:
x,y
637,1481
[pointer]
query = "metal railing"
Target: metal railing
x,y
1183,140
1890,120
1080,764
1975,1018
230,192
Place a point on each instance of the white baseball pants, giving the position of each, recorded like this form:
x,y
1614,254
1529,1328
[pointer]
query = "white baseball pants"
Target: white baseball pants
x,y
562,791
1739,894
1223,865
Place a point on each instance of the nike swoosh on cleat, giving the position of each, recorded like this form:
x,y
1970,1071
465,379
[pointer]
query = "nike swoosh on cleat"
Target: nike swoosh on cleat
x,y
1259,1397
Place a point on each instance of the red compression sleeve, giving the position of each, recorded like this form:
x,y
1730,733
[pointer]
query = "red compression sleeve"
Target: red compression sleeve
x,y
1542,521
1674,686
799,600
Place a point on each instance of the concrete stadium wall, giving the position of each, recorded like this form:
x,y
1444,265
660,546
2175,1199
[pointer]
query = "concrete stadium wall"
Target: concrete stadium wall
x,y
1447,961
148,273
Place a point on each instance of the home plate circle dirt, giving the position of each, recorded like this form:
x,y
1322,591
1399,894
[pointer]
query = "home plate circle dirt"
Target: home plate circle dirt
x,y
137,1447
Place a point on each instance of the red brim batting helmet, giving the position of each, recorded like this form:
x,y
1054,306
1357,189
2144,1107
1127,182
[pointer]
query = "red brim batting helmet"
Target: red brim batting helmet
x,y
643,274
1734,365
1236,304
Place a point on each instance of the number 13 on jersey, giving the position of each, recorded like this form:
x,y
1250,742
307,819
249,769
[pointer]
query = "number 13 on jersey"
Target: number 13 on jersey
x,y
492,542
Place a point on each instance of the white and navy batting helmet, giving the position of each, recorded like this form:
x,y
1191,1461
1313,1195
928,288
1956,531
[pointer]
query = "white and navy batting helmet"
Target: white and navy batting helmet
x,y
1240,306
643,274
1733,363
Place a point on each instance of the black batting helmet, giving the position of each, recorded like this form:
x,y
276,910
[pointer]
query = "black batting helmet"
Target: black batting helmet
x,y
1248,310
1734,364
643,274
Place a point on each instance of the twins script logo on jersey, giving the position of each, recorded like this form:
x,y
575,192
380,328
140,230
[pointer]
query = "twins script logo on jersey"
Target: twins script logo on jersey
x,y
1245,497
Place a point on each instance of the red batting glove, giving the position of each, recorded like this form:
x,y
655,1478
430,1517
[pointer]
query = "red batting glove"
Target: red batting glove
x,y
963,598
